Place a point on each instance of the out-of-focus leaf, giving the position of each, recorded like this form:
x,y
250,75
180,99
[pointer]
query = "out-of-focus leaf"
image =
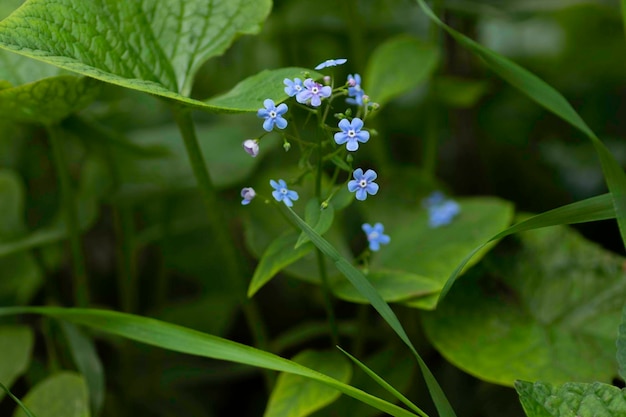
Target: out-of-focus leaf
x,y
16,346
296,396
621,345
508,326
12,207
459,92
397,66
571,399
61,394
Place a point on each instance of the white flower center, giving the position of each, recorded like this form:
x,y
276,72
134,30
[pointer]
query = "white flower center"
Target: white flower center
x,y
273,114
315,90
362,183
298,88
283,191
373,236
351,133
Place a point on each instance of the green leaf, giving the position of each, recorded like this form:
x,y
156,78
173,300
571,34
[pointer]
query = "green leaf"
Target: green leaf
x,y
571,399
12,207
621,345
16,346
320,219
366,289
88,363
591,209
49,100
506,325
552,100
179,339
278,255
397,66
296,396
145,45
17,400
61,394
459,92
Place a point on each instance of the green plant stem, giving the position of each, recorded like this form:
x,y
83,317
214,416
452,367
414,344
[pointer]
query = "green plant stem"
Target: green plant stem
x,y
70,212
221,235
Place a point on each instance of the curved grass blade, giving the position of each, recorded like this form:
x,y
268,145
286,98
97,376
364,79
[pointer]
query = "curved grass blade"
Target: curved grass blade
x,y
17,400
546,96
180,339
384,384
589,210
366,289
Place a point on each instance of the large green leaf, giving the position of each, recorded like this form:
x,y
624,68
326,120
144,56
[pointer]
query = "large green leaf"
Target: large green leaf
x,y
296,396
621,345
397,66
539,91
548,312
571,400
180,339
61,394
145,45
16,346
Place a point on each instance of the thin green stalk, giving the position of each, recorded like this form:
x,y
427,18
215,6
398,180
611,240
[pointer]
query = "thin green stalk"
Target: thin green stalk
x,y
221,235
70,212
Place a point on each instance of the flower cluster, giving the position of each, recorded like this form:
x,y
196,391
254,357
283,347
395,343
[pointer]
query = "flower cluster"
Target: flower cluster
x,y
350,132
441,211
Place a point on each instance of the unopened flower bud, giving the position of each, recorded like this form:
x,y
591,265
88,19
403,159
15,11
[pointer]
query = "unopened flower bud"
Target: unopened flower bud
x,y
348,112
251,146
324,205
349,158
286,146
247,194
375,106
327,79
366,99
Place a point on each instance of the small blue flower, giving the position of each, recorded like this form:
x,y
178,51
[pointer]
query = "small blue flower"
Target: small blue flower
x,y
247,194
331,63
355,92
351,133
440,210
293,87
375,235
313,92
273,115
363,184
281,193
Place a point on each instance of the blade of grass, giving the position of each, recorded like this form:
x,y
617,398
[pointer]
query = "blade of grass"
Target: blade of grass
x,y
589,210
546,96
17,400
358,280
384,384
180,339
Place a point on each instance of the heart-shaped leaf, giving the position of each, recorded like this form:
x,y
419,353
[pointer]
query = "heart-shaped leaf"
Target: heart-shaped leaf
x,y
508,326
147,45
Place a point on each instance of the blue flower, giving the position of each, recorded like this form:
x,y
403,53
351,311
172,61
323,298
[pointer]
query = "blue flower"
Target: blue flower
x,y
292,87
331,63
363,184
273,115
354,90
281,193
440,210
375,235
247,194
251,146
351,133
313,92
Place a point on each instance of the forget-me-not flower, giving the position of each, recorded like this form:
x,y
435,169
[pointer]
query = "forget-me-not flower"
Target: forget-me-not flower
x,y
363,183
247,194
375,235
313,92
251,146
331,63
293,87
282,193
273,115
355,92
351,134
440,210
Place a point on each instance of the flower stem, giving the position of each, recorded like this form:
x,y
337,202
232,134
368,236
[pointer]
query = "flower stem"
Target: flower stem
x,y
70,212
224,243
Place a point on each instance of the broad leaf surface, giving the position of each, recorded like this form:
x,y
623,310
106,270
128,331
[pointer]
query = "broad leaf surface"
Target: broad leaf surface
x,y
546,96
431,254
145,45
16,346
621,345
571,399
548,311
398,66
296,396
61,394
180,339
